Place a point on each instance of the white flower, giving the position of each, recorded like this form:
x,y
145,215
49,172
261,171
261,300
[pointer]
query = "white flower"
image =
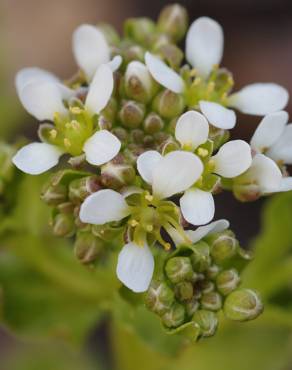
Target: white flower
x,y
168,175
204,50
42,96
91,50
273,137
232,159
202,231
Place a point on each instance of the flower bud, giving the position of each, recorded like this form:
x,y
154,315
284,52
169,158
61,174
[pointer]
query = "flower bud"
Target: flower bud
x,y
159,297
108,114
139,84
212,272
153,123
184,291
80,189
168,104
171,54
227,281
201,260
117,173
120,133
174,317
133,52
109,33
211,301
169,146
54,194
192,306
246,192
140,30
243,305
132,114
179,269
207,322
218,136
87,247
64,225
223,246
207,286
173,20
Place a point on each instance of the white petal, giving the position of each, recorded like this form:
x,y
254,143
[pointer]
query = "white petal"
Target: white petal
x,y
218,115
269,130
192,129
260,99
197,206
103,206
101,147
265,173
164,75
175,235
176,172
282,149
90,48
286,184
135,267
42,100
115,63
204,44
146,163
130,190
212,228
36,158
232,159
33,74
100,89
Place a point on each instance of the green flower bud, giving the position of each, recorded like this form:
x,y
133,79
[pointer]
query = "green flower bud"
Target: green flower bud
x,y
108,114
173,20
171,54
169,146
175,316
64,225
192,306
54,194
179,269
153,123
227,281
207,286
80,189
201,260
120,133
117,173
148,140
168,104
87,247
140,30
243,305
132,114
207,322
246,192
107,233
159,297
139,84
184,291
67,207
223,246
137,136
212,272
211,301
133,52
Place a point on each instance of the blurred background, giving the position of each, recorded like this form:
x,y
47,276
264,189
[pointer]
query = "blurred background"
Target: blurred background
x,y
258,48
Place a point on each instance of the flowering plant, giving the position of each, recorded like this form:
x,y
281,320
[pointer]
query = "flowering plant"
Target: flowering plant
x,y
141,138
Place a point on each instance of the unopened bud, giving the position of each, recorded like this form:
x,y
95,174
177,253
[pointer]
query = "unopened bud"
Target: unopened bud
x,y
227,281
132,114
173,20
137,136
106,232
179,269
192,306
115,174
243,305
54,194
153,123
171,54
110,33
212,272
201,260
80,189
109,113
120,133
211,301
184,291
140,30
64,225
246,192
207,286
87,247
207,322
169,146
223,246
159,297
133,52
218,136
139,84
168,104
175,316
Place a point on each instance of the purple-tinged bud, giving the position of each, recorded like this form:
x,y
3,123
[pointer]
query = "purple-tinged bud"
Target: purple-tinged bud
x,y
133,53
171,54
64,225
87,247
168,104
153,123
243,305
80,189
120,133
173,20
159,297
207,322
54,194
132,114
117,173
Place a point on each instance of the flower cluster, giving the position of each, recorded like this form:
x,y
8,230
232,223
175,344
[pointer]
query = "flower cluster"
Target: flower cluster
x,y
144,139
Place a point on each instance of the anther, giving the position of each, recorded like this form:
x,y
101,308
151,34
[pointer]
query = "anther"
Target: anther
x,y
67,142
53,133
202,152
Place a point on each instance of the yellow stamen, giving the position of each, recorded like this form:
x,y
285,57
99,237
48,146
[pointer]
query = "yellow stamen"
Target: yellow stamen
x,y
149,197
67,142
75,110
149,228
133,223
202,152
53,133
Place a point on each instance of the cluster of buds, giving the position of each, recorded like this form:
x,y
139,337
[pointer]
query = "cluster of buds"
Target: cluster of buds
x,y
145,130
196,282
